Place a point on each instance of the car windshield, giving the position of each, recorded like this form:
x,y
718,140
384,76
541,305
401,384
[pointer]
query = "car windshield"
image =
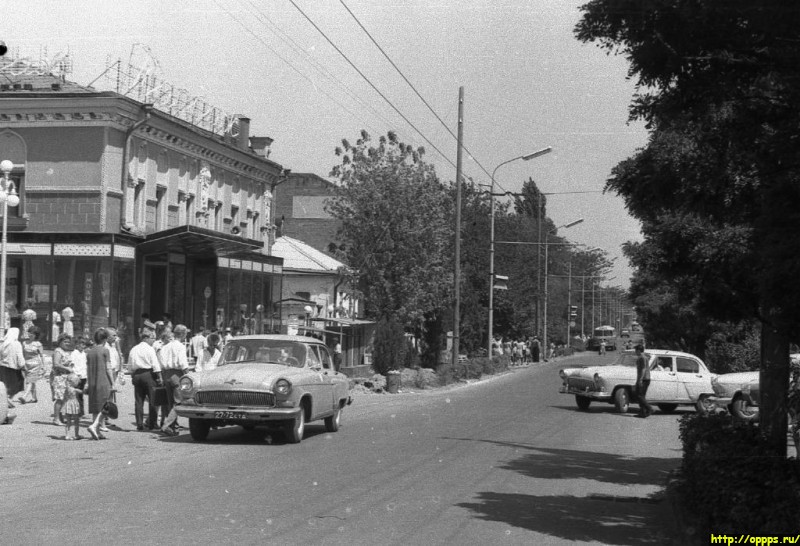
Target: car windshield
x,y
267,351
628,359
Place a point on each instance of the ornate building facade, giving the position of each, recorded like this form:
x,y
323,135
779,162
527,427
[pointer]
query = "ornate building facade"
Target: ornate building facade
x,y
126,210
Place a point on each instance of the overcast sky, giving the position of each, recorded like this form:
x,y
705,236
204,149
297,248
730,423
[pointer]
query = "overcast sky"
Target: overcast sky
x,y
528,83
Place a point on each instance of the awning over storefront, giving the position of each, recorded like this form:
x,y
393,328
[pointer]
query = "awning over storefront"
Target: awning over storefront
x,y
197,242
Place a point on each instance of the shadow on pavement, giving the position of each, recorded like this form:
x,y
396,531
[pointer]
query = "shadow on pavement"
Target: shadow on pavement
x,y
573,518
608,519
561,464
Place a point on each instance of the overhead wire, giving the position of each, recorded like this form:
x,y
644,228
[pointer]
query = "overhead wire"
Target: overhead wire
x,y
287,62
374,87
411,85
264,19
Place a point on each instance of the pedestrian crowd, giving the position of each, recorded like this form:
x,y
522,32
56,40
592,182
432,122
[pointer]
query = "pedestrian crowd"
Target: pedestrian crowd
x,y
520,352
86,372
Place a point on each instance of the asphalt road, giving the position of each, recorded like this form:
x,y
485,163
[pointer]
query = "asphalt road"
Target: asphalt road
x,y
503,461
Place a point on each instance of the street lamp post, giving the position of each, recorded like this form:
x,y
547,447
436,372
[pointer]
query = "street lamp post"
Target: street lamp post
x,y
546,259
8,196
526,157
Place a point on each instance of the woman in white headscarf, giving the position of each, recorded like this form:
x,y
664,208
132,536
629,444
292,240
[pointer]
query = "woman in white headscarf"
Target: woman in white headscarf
x,y
12,363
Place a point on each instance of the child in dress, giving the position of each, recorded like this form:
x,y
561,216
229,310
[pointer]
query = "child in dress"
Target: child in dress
x,y
71,408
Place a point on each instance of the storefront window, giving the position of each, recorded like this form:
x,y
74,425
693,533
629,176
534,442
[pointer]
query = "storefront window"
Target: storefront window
x,y
82,287
28,286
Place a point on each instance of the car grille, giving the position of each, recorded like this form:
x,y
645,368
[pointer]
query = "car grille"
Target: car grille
x,y
581,384
235,398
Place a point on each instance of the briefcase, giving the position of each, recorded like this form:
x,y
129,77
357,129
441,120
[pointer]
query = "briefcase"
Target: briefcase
x,y
159,396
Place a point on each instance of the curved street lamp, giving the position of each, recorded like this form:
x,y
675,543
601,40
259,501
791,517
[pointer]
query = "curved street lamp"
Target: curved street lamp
x,y
9,198
525,157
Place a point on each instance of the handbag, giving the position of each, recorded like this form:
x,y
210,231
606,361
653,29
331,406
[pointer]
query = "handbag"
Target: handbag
x,y
159,396
110,409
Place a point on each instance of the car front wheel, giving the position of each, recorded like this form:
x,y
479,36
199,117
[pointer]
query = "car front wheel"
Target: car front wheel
x,y
332,423
583,402
199,428
296,428
622,400
742,409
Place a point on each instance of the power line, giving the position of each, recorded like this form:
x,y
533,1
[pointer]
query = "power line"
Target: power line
x,y
402,75
378,91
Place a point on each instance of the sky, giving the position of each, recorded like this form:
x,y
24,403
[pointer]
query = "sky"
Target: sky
x,y
528,84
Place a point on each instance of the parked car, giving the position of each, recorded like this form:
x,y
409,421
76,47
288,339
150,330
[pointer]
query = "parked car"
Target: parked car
x,y
266,380
740,392
675,379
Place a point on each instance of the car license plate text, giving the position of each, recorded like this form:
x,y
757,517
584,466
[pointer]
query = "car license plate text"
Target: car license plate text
x,y
229,415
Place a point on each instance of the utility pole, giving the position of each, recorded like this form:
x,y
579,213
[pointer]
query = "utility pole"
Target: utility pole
x,y
457,260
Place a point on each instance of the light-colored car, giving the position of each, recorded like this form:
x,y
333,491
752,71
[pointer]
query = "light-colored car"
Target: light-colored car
x,y
676,378
736,392
740,392
270,380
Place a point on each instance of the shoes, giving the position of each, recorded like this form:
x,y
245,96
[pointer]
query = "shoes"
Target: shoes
x,y
642,415
10,405
93,433
102,428
168,431
57,422
139,427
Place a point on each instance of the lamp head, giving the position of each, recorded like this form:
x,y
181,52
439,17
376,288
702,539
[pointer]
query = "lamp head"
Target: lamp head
x,y
6,166
537,153
13,199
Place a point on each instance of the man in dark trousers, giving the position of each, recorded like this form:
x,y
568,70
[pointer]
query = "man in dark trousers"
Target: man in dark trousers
x,y
642,382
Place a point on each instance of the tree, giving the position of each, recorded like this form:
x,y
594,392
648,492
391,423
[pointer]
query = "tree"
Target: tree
x,y
395,230
718,186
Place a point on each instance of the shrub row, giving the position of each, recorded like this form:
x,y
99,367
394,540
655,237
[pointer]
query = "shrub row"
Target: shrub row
x,y
730,483
473,368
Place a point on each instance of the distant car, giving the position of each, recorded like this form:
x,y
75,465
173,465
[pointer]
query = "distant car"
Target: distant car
x,y
676,378
266,380
624,333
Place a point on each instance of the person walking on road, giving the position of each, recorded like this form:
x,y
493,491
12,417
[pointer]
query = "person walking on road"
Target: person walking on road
x,y
145,368
12,365
174,362
33,352
99,381
62,367
642,383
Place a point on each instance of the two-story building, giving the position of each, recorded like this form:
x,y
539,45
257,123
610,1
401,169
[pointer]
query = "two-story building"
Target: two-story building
x,y
127,210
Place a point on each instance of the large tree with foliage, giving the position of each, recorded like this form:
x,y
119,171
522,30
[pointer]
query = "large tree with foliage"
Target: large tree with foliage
x,y
718,186
395,230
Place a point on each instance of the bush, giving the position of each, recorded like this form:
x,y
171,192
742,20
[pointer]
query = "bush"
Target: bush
x,y
730,483
472,369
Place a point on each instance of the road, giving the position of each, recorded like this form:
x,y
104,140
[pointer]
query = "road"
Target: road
x,y
503,461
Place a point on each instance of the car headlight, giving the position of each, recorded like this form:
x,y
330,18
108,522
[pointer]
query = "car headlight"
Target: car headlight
x,y
186,384
283,387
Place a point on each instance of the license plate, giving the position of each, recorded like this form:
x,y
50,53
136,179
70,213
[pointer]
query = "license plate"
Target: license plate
x,y
229,415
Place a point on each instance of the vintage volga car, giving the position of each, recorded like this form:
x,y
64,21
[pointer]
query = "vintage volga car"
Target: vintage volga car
x,y
675,379
740,392
270,380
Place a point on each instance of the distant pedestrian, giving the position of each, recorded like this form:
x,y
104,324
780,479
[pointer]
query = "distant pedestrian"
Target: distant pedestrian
x,y
536,349
642,383
337,355
12,365
211,353
71,408
145,368
62,367
33,352
552,352
602,348
99,381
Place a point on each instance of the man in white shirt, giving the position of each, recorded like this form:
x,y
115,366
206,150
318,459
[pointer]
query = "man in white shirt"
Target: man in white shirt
x,y
145,367
198,345
174,362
